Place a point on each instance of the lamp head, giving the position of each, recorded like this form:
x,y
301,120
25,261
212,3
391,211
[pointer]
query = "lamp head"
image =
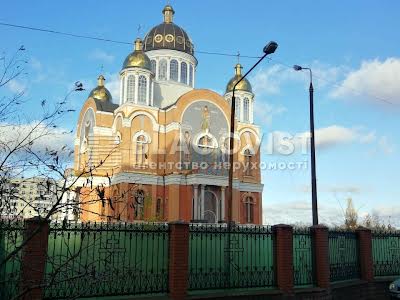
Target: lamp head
x,y
270,47
297,68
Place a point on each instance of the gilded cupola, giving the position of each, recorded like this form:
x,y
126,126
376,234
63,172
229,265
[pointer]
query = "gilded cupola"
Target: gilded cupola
x,y
100,92
137,59
168,35
244,85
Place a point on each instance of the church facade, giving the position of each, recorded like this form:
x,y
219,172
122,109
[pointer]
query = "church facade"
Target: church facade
x,y
160,151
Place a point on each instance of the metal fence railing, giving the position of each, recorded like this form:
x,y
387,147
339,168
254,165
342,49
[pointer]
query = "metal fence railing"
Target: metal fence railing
x,y
303,267
106,259
11,237
386,253
343,256
241,257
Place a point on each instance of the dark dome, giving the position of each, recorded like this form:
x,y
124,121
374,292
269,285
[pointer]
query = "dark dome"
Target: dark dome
x,y
168,35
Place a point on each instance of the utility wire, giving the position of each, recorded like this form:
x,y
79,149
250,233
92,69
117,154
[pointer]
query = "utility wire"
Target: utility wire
x,y
336,84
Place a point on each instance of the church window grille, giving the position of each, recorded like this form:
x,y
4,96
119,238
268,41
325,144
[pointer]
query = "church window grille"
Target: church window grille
x,y
184,72
249,209
139,205
153,66
131,89
247,159
123,89
237,107
162,69
141,150
191,75
142,89
246,109
173,70
159,208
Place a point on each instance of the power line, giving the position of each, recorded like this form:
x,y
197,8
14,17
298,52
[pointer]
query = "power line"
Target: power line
x,y
104,39
336,84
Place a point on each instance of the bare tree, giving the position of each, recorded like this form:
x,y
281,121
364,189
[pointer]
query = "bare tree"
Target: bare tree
x,y
351,215
22,156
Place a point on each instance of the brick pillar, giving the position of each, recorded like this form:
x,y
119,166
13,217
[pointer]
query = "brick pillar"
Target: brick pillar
x,y
178,259
283,257
321,255
34,258
365,254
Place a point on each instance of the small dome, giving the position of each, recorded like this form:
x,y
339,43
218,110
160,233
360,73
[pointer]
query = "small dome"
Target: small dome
x,y
244,85
137,59
100,92
168,35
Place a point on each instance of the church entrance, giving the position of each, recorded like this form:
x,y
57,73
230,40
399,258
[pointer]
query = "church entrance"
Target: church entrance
x,y
210,207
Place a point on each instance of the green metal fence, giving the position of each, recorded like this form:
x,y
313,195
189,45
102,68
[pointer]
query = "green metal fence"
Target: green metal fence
x,y
343,255
303,270
106,259
11,237
386,253
241,257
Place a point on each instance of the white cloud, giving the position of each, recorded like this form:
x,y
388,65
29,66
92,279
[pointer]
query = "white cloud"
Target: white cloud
x,y
102,56
113,85
385,145
264,111
374,79
299,212
16,86
271,79
42,136
325,138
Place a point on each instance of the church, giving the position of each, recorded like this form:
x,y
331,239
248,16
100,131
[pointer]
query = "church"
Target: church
x,y
160,151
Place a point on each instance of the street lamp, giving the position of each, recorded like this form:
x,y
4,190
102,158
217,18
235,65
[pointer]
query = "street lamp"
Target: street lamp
x,y
313,172
268,49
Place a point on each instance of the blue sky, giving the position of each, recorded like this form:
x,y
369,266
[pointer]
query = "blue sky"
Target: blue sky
x,y
352,47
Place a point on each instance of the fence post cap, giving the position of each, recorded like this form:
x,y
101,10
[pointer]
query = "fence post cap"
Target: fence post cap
x,y
319,226
282,226
37,219
362,228
178,222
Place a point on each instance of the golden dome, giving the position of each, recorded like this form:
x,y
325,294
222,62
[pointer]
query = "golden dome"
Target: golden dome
x,y
168,35
100,92
137,59
244,85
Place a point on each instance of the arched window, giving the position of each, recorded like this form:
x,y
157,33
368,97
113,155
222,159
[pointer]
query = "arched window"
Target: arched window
x,y
159,209
237,108
138,204
141,150
184,73
123,90
153,66
246,110
191,75
173,70
247,162
249,209
162,69
130,95
142,86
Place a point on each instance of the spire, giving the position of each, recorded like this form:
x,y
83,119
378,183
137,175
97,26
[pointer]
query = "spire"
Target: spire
x,y
168,13
238,69
100,80
138,44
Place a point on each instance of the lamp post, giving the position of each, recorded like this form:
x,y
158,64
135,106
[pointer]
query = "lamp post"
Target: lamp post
x,y
268,49
313,171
